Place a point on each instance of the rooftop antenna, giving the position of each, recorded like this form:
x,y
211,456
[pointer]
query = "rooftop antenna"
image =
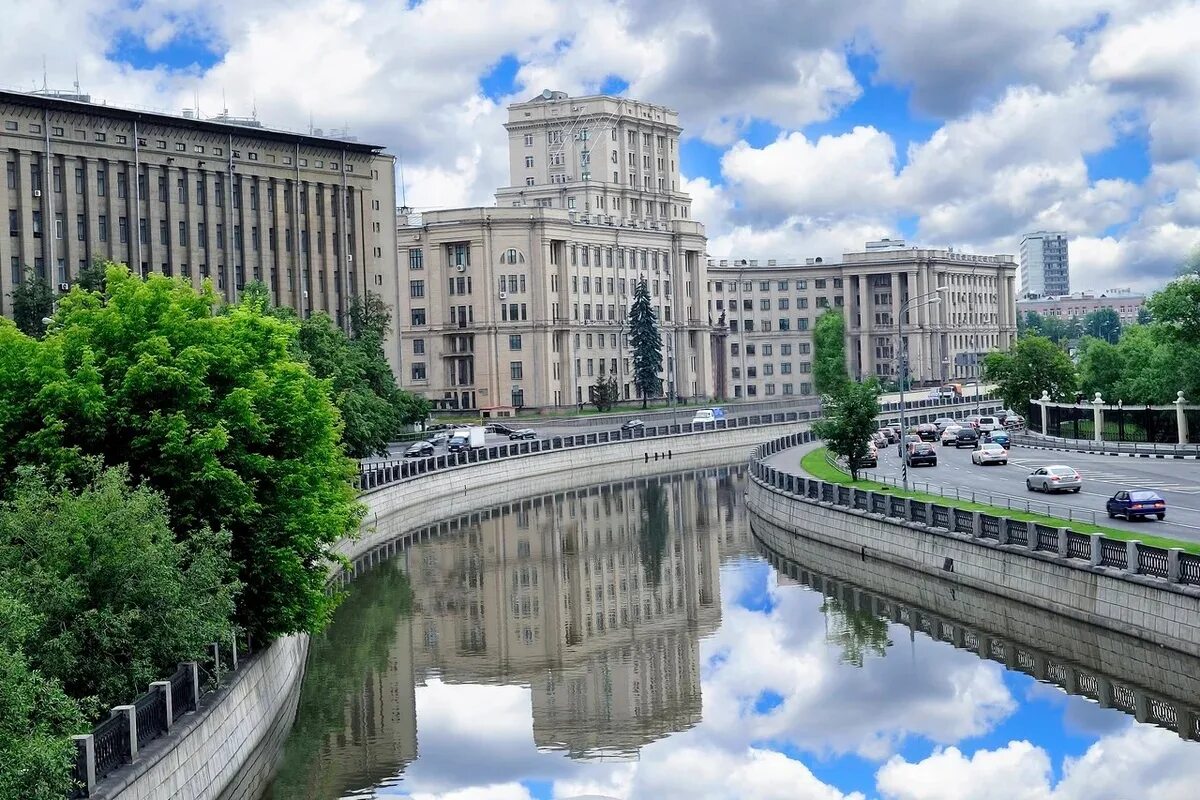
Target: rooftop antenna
x,y
45,82
224,103
77,77
403,188
310,123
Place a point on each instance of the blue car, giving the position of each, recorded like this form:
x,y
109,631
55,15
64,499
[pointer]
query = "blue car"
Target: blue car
x,y
1133,503
1001,438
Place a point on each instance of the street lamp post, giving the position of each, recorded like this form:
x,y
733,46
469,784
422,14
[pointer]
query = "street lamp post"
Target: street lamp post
x,y
927,299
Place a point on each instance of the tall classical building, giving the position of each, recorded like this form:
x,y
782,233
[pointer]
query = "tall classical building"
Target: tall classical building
x,y
1045,270
223,198
769,311
525,304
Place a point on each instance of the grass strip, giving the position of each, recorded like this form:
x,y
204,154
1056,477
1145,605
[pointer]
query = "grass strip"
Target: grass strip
x,y
814,464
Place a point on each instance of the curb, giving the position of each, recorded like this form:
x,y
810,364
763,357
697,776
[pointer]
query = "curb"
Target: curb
x,y
1107,452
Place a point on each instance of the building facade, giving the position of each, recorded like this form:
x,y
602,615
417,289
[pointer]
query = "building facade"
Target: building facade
x,y
769,311
222,199
1126,303
526,304
1045,268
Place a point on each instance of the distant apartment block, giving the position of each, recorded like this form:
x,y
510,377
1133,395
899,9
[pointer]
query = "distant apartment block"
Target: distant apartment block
x,y
223,199
769,311
1045,268
1125,302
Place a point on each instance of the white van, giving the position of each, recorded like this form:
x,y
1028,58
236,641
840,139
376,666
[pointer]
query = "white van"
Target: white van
x,y
988,424
704,416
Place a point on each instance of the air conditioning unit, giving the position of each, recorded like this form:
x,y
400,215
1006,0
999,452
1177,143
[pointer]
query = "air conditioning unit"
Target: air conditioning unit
x,y
461,267
37,192
64,287
503,295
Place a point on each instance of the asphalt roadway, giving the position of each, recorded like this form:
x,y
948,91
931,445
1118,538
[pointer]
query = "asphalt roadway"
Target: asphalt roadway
x,y
1178,481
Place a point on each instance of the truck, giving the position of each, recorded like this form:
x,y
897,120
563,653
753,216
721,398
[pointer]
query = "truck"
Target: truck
x,y
707,415
467,439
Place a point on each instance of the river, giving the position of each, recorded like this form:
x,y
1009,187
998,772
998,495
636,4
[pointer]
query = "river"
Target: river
x,y
637,640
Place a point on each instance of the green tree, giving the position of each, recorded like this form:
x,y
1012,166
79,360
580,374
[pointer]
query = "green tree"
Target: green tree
x,y
213,410
847,420
91,277
36,716
647,343
829,353
32,302
118,601
1176,309
1103,323
1034,365
1101,369
856,631
1143,316
605,393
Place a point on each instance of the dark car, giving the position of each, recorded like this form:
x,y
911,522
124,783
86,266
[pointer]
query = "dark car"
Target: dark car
x,y
419,450
440,426
889,434
500,427
1133,503
967,437
524,433
999,437
922,453
632,425
928,432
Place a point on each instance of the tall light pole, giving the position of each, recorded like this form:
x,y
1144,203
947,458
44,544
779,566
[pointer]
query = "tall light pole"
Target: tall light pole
x,y
927,299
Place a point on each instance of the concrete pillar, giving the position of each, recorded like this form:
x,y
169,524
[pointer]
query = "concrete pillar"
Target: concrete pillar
x,y
194,670
1042,403
1181,418
1096,539
85,749
1002,531
1104,692
1031,534
1173,564
1131,557
165,688
130,715
1097,418
976,524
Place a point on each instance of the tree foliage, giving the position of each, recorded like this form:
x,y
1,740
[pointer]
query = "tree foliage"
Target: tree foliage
x,y
1103,323
32,302
1051,327
647,343
213,410
856,631
36,716
1176,309
605,393
117,601
1034,365
829,353
847,420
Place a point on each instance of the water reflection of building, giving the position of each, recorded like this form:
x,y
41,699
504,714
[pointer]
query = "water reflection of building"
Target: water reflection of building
x,y
596,598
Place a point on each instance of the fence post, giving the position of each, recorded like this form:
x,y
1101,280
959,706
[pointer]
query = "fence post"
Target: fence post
x,y
1173,564
165,688
1031,535
233,649
1063,546
1097,549
1044,402
1181,418
193,669
85,753
130,715
1001,530
1097,418
215,649
1131,556
976,524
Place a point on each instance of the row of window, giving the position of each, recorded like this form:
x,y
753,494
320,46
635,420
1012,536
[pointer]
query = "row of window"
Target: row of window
x,y
613,284
769,369
801,284
782,303
767,349
751,390
766,326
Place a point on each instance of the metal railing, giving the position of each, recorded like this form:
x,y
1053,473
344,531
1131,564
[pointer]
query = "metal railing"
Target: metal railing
x,y
116,741
1087,445
1093,549
378,474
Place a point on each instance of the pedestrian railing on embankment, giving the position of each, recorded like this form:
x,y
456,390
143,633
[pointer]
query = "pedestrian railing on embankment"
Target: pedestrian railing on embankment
x,y
116,741
1087,549
1148,449
376,475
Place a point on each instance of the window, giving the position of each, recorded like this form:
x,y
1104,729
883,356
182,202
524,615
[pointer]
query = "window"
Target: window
x,y
764,305
416,288
10,174
416,258
123,224
418,371
418,347
515,370
529,182
102,227
529,140
514,341
9,125
14,222
529,162
783,304
819,283
418,316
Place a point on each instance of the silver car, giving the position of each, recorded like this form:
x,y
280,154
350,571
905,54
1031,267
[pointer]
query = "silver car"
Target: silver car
x,y
1054,478
989,453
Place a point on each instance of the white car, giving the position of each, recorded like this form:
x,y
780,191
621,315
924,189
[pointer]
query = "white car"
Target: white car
x,y
950,434
1054,478
989,453
987,424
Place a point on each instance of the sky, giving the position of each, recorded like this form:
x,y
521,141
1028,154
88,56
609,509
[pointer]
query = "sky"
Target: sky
x,y
810,126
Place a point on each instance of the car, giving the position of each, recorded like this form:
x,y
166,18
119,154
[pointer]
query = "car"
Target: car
x,y
879,440
922,453
889,434
999,437
439,438
523,433
440,426
632,425
927,432
989,453
987,424
944,422
909,440
459,442
1014,421
966,437
419,450
871,459
1134,503
704,416
951,433
500,427
972,421
1054,478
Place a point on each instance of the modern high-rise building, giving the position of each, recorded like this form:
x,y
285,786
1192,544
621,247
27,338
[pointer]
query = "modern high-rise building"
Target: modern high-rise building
x,y
225,199
769,310
1045,270
526,304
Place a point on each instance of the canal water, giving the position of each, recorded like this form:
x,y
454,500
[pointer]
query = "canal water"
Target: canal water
x,y
638,640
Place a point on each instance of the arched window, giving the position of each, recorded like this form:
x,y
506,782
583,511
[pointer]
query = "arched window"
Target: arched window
x,y
512,256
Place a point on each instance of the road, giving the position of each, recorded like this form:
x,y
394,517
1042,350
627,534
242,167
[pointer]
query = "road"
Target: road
x,y
1177,481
